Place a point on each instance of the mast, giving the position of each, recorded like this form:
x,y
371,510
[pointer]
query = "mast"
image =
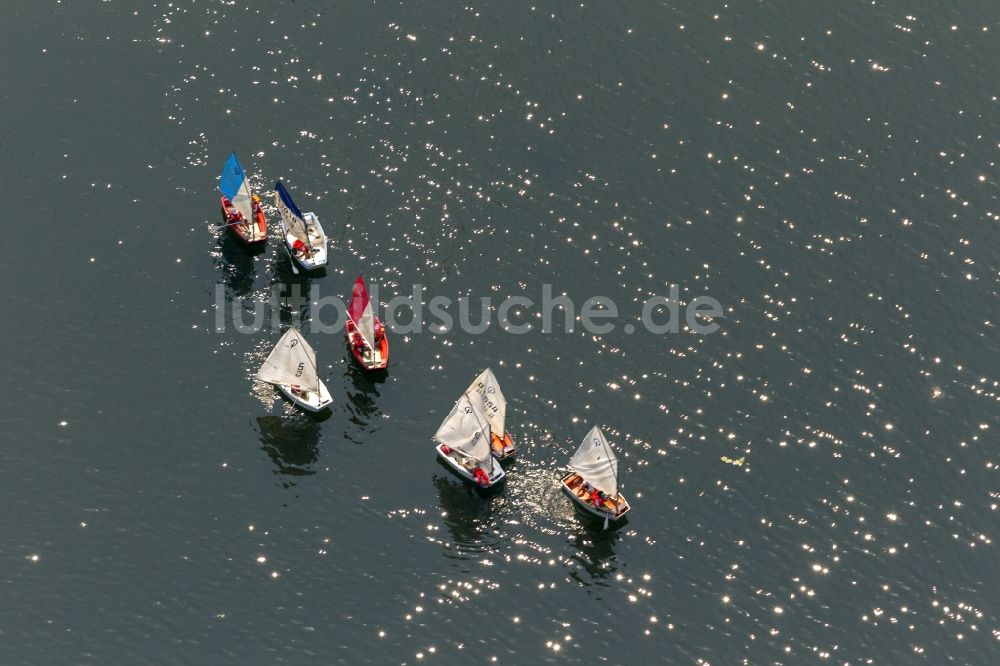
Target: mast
x,y
254,224
359,295
250,223
305,225
608,454
489,431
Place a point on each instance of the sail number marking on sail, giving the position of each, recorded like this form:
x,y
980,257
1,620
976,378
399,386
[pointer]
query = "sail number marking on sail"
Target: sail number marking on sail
x,y
486,392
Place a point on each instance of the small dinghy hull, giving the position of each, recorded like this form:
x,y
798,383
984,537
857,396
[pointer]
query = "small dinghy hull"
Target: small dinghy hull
x,y
301,230
253,235
370,360
291,365
363,327
238,200
450,458
572,485
311,400
317,240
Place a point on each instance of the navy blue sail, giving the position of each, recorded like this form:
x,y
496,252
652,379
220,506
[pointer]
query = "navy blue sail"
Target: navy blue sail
x,y
286,199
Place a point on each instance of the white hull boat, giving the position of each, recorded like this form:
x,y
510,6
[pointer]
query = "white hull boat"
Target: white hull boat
x,y
463,443
464,466
303,234
593,482
317,240
291,366
613,509
312,401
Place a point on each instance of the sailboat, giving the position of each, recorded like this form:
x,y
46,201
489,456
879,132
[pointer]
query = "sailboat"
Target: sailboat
x,y
364,331
485,390
463,444
291,366
238,210
303,234
593,482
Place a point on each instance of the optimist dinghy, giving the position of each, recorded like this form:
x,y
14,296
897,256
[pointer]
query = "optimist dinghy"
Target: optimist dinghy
x,y
463,443
303,234
291,366
365,334
241,210
593,483
485,392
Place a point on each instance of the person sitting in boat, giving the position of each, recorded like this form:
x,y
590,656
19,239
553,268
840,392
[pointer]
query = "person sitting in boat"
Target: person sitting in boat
x,y
481,477
301,249
379,330
357,341
597,498
256,205
299,391
233,215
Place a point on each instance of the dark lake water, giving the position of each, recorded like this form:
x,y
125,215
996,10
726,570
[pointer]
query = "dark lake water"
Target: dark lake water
x,y
826,171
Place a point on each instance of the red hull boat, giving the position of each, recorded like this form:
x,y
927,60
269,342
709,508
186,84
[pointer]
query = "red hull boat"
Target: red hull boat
x,y
364,331
363,354
252,233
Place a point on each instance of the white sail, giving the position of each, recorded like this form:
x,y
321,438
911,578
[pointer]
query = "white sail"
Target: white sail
x,y
243,201
366,325
296,225
291,362
466,430
596,462
485,390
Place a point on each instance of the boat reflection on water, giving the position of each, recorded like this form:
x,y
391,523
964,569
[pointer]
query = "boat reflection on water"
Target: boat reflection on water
x,y
286,270
595,553
292,444
361,405
591,521
236,262
366,386
291,293
468,514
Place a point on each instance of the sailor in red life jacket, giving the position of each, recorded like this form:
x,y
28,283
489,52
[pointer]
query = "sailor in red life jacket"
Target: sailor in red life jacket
x,y
481,478
379,330
357,341
300,248
597,498
233,215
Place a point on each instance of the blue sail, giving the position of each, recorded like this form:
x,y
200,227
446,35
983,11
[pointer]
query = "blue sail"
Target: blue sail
x,y
287,199
232,177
